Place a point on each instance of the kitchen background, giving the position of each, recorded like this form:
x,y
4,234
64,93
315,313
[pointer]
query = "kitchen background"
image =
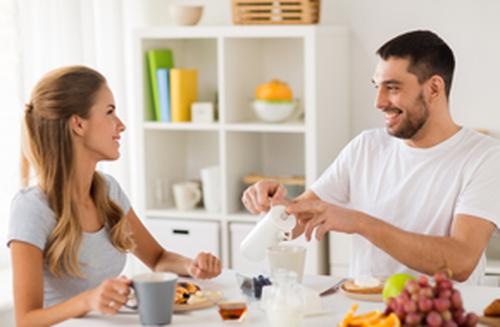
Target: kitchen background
x,y
37,36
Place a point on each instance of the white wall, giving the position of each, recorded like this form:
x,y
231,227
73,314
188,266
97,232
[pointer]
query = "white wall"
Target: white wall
x,y
471,28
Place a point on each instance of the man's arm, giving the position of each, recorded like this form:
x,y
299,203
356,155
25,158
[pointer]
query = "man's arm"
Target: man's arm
x,y
459,252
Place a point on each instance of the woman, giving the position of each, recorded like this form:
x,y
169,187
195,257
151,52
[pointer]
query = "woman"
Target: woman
x,y
69,234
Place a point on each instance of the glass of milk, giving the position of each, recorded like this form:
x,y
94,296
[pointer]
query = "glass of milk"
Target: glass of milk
x,y
285,300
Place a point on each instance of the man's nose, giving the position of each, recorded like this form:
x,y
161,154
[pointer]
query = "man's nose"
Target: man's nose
x,y
381,99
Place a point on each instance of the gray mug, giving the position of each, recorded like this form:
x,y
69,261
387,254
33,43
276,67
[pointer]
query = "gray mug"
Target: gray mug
x,y
155,295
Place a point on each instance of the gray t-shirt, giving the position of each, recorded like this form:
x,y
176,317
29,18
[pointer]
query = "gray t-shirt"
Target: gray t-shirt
x,y
32,221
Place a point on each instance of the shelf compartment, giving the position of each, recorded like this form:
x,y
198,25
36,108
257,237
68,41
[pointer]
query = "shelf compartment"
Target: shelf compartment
x,y
173,156
199,53
270,154
250,62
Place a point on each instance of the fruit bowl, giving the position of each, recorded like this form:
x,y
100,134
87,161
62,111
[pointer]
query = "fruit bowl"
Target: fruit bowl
x,y
274,111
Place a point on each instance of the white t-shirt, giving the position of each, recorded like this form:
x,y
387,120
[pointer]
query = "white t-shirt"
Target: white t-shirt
x,y
415,189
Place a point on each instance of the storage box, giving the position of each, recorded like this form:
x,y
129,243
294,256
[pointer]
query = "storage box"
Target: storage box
x,y
186,237
276,12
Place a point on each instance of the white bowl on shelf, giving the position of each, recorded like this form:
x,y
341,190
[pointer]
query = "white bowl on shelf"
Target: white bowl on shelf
x,y
273,112
185,14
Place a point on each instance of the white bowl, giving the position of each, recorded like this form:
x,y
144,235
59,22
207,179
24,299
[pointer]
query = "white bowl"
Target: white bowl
x,y
185,14
273,111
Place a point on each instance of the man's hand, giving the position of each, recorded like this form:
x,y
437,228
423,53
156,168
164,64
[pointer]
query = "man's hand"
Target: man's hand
x,y
259,197
327,217
204,266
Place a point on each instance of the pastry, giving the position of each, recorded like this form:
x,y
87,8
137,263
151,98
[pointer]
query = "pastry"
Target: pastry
x,y
493,310
184,290
369,288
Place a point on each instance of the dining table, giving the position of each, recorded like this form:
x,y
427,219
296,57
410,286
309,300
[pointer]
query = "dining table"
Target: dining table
x,y
333,307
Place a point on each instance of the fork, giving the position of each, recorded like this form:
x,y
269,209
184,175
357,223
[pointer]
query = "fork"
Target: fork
x,y
334,288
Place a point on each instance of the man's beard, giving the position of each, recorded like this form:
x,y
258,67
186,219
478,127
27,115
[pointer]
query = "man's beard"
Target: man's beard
x,y
410,126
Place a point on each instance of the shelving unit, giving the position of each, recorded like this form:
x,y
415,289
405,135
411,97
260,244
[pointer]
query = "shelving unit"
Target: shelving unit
x,y
232,61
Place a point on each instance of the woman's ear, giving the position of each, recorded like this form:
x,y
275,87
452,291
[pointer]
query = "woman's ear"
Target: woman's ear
x,y
77,124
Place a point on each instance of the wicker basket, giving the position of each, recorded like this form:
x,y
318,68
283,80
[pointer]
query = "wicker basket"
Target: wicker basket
x,y
276,12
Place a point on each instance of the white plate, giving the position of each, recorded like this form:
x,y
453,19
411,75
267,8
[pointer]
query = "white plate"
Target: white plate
x,y
361,296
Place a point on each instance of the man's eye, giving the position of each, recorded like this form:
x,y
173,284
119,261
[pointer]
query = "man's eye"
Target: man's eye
x,y
110,111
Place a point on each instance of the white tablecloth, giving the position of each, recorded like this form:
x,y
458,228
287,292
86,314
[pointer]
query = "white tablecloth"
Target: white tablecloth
x,y
475,299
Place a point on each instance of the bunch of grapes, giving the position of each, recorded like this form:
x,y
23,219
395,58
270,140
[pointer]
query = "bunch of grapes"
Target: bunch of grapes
x,y
259,282
421,303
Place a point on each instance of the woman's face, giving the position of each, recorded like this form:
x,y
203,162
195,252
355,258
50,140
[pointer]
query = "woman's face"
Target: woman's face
x,y
103,127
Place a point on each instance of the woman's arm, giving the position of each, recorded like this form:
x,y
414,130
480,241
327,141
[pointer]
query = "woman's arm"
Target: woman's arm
x,y
27,264
156,258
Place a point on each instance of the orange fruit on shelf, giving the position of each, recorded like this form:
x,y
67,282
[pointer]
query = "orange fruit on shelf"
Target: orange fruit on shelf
x,y
275,90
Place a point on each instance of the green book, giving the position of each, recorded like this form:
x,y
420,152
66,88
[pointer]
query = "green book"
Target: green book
x,y
156,58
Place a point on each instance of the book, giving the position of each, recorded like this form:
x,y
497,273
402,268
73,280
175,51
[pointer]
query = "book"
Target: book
x,y
162,75
156,58
183,92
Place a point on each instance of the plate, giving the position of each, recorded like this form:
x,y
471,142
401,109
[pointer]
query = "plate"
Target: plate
x,y
377,297
214,298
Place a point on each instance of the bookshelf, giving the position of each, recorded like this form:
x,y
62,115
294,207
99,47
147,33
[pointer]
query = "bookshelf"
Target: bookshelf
x,y
231,62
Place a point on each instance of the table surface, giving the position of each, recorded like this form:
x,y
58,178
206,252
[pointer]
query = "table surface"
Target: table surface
x,y
475,298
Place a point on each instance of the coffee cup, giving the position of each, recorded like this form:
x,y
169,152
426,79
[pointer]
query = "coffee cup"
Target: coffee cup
x,y
155,296
186,195
287,256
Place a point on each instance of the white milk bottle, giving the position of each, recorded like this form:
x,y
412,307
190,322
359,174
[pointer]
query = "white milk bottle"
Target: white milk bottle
x,y
285,303
275,227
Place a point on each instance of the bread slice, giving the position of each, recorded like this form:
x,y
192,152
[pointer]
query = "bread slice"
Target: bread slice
x,y
493,310
350,286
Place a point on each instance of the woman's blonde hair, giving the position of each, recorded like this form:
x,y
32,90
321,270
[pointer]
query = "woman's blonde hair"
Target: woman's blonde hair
x,y
48,147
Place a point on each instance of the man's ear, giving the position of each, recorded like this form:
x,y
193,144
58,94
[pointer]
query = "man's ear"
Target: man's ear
x,y
436,87
77,124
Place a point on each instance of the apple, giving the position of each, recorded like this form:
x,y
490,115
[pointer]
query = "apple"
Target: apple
x,y
395,284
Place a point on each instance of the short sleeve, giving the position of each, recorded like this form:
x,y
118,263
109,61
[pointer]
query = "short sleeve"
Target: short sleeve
x,y
333,184
117,194
31,220
481,194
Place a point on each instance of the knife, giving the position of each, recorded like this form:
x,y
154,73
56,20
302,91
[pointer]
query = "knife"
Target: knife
x,y
334,288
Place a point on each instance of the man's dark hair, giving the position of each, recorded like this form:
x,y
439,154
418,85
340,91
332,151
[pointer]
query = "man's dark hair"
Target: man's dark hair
x,y
428,55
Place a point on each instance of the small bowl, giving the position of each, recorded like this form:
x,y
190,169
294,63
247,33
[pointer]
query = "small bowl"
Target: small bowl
x,y
185,14
273,112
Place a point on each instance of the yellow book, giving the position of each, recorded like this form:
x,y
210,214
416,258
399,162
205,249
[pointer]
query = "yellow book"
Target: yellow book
x,y
183,92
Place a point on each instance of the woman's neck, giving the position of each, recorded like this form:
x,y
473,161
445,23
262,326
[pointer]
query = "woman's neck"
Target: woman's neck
x,y
84,172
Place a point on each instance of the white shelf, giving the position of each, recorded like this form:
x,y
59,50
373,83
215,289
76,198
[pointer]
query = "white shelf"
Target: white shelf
x,y
181,126
231,62
492,267
288,127
197,214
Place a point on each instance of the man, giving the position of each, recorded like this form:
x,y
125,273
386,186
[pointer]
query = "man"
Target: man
x,y
419,196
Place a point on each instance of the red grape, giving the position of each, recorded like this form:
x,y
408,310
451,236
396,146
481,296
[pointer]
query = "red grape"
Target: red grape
x,y
441,304
413,319
425,304
423,280
471,319
434,319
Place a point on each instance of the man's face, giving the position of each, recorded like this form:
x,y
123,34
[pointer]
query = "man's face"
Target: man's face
x,y
400,96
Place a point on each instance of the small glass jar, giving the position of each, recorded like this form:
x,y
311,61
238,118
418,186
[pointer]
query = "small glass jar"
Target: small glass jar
x,y
285,300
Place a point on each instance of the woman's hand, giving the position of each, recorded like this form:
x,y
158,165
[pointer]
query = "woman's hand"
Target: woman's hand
x,y
327,217
109,296
204,266
259,197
